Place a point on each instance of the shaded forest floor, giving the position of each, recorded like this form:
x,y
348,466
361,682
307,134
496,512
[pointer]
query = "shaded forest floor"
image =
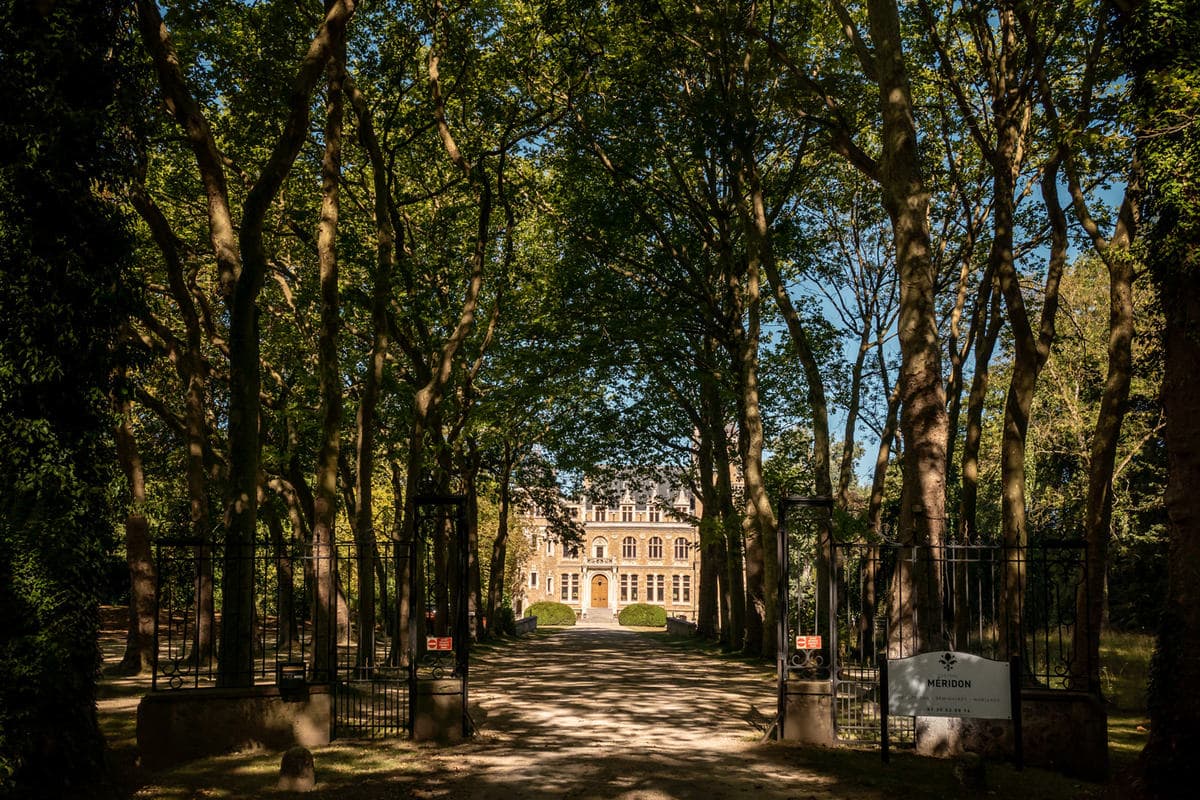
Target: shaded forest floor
x,y
606,712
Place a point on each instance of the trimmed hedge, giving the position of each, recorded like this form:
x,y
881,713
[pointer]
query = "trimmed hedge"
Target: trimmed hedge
x,y
643,615
550,613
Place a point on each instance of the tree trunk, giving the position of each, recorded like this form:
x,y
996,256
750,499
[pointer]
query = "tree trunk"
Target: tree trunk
x,y
968,532
192,369
870,579
500,545
474,462
286,634
326,627
385,257
923,403
1090,602
707,620
1169,764
403,559
733,590
1030,352
825,555
139,639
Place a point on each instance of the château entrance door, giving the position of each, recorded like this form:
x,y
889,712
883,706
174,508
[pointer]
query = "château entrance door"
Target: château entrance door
x,y
599,591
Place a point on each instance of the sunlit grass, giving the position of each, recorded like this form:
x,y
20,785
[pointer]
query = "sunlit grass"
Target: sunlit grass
x,y
1125,668
1124,672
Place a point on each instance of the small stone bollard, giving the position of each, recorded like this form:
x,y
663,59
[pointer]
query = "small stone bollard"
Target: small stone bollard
x,y
297,771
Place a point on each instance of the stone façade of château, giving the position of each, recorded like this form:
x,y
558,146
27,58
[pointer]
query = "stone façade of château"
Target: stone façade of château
x,y
638,546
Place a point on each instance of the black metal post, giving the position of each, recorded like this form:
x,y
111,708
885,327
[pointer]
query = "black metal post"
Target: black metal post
x,y
781,636
1014,679
832,602
157,611
463,634
884,741
415,602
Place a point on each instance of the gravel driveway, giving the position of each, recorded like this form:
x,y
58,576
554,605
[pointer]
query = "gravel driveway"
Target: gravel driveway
x,y
606,712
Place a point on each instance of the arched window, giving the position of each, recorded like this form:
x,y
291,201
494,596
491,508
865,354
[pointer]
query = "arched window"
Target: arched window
x,y
629,547
654,548
681,549
599,547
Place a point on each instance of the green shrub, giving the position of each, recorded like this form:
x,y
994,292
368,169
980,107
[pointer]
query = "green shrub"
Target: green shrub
x,y
506,621
643,615
550,613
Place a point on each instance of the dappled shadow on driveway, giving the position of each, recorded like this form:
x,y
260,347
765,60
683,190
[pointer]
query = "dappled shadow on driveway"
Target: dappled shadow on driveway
x,y
607,712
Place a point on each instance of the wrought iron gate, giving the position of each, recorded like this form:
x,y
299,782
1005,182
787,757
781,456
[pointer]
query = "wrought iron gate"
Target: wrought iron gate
x,y
838,612
371,697
439,615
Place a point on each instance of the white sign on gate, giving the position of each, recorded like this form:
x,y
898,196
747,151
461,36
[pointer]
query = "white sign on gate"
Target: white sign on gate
x,y
949,684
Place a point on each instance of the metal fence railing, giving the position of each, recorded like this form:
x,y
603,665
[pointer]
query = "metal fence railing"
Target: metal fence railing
x,y
849,605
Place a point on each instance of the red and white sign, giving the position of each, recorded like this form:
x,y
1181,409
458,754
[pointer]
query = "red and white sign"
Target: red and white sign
x,y
441,644
808,642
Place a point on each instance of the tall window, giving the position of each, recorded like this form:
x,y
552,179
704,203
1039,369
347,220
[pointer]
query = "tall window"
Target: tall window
x,y
629,547
533,579
549,585
549,546
566,585
575,586
599,513
655,514
599,547
571,550
655,588
633,587
626,513
624,588
681,589
681,549
654,548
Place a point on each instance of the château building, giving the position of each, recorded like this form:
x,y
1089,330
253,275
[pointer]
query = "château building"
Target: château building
x,y
638,547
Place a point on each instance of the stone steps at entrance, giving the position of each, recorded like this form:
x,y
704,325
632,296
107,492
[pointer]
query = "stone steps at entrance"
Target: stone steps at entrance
x,y
600,616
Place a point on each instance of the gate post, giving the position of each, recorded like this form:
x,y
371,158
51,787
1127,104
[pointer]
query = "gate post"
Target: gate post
x,y
811,700
439,701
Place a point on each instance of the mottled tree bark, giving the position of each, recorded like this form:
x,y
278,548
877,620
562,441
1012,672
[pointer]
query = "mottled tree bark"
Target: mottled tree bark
x,y
916,600
325,620
139,638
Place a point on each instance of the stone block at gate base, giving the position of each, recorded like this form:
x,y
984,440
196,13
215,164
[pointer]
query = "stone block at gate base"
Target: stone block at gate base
x,y
438,711
1063,731
173,727
809,713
